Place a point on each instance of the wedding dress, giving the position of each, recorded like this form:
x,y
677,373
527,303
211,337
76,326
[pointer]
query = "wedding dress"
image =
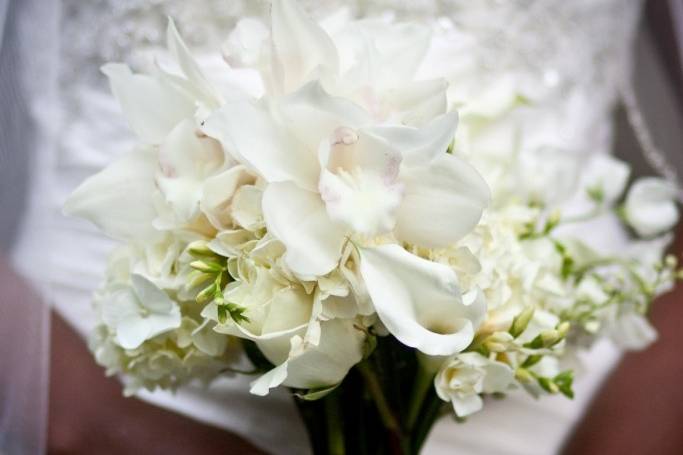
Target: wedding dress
x,y
578,48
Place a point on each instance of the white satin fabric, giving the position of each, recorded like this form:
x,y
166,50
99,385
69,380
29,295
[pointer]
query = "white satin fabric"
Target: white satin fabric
x,y
555,39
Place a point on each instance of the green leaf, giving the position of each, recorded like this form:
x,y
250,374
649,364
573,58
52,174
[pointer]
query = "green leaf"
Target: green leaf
x,y
548,385
315,394
564,382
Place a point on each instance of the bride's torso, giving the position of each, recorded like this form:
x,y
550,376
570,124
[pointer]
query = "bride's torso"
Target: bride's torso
x,y
568,53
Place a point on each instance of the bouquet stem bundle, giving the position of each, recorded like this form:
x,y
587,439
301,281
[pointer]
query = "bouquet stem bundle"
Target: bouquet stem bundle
x,y
381,407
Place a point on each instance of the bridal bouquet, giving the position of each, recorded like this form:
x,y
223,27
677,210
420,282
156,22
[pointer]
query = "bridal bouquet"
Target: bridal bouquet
x,y
324,213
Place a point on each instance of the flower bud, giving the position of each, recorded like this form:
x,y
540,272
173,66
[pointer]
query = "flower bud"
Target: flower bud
x,y
563,329
524,376
207,294
206,266
521,321
498,342
200,249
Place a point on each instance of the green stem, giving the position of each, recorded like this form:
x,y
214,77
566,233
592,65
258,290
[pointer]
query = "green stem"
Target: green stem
x,y
422,383
399,441
428,416
375,389
335,434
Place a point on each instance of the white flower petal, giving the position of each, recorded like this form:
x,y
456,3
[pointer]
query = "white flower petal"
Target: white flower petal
x,y
189,66
359,185
118,305
418,102
151,106
185,161
633,331
467,404
217,194
246,44
443,201
131,332
150,296
650,206
499,377
300,45
419,146
364,202
298,218
118,200
313,115
328,362
607,174
248,131
270,380
246,207
419,301
316,366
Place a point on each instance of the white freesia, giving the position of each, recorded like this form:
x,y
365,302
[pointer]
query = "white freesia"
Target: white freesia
x,y
138,312
650,206
419,301
605,178
464,377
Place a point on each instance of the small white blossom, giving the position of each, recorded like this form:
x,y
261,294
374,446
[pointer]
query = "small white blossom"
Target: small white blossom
x,y
462,379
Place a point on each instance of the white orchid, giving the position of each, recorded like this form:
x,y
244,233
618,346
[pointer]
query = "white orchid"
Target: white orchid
x,y
373,62
333,173
463,378
650,206
138,312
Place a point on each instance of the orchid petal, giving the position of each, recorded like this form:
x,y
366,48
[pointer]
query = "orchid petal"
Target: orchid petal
x,y
298,218
186,160
248,131
189,66
418,102
300,45
118,200
449,193
312,114
419,146
360,186
151,106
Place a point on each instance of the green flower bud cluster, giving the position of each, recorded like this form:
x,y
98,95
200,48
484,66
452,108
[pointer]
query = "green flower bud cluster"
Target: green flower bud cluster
x,y
211,270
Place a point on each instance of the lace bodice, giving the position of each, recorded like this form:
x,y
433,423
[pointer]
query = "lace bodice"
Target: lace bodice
x,y
580,39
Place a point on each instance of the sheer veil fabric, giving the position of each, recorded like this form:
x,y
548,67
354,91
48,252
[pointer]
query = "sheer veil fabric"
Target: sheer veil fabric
x,y
582,45
29,53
